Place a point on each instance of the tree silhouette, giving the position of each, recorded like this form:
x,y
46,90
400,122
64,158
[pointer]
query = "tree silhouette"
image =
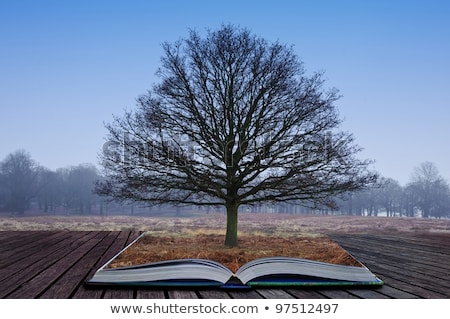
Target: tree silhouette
x,y
18,181
431,191
234,120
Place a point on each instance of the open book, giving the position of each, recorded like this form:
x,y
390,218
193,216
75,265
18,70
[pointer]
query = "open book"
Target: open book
x,y
268,271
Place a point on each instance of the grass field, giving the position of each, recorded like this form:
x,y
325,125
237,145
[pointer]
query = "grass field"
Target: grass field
x,y
249,223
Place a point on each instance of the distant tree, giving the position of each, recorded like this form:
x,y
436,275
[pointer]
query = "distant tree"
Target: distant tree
x,y
345,204
409,201
372,202
389,196
78,184
49,196
19,180
441,207
234,121
430,189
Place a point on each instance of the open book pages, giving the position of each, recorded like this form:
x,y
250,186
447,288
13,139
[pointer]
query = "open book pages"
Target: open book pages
x,y
265,271
260,269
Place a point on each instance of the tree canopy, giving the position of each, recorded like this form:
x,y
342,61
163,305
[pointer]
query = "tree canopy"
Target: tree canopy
x,y
234,120
431,191
18,181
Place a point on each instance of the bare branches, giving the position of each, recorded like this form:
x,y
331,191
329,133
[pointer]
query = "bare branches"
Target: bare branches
x,y
234,120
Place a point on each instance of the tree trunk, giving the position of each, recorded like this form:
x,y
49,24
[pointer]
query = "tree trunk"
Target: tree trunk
x,y
231,238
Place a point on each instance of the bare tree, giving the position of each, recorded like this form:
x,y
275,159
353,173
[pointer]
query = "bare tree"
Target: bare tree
x,y
432,192
77,188
389,196
49,196
234,120
19,181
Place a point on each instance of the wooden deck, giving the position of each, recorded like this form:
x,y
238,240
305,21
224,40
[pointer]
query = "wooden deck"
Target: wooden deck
x,y
54,264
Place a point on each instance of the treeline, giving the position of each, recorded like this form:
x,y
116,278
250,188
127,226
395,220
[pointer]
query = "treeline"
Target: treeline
x,y
26,186
426,195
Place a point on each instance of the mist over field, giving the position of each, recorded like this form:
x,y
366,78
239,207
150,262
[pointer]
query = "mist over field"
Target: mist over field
x,y
249,223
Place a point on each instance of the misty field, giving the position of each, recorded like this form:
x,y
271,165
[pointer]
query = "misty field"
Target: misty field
x,y
249,223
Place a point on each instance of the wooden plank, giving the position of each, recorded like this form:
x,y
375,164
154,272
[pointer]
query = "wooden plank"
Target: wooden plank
x,y
306,293
74,277
394,293
336,293
244,294
368,293
150,294
122,239
15,240
10,237
18,274
413,269
28,242
119,294
381,245
6,234
37,285
274,294
421,292
421,256
401,251
213,294
431,267
181,294
35,255
410,268
394,273
425,242
406,273
409,283
417,259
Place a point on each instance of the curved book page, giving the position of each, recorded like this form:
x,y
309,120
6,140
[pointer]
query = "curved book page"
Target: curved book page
x,y
179,269
303,267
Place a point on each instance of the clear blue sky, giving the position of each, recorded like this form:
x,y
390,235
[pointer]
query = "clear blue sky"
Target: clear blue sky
x,y
67,66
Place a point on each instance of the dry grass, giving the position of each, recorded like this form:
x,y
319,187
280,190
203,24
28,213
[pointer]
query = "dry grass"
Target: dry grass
x,y
210,246
256,224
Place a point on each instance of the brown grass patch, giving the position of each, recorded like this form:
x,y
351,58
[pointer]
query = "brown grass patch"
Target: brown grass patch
x,y
210,246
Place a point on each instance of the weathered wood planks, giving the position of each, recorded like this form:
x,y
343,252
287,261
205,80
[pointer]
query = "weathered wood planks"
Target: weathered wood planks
x,y
55,264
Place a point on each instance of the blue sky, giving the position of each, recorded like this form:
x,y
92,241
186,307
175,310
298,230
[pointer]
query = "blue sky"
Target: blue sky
x,y
67,66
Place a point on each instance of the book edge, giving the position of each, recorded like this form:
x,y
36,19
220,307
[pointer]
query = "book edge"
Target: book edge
x,y
90,281
120,252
